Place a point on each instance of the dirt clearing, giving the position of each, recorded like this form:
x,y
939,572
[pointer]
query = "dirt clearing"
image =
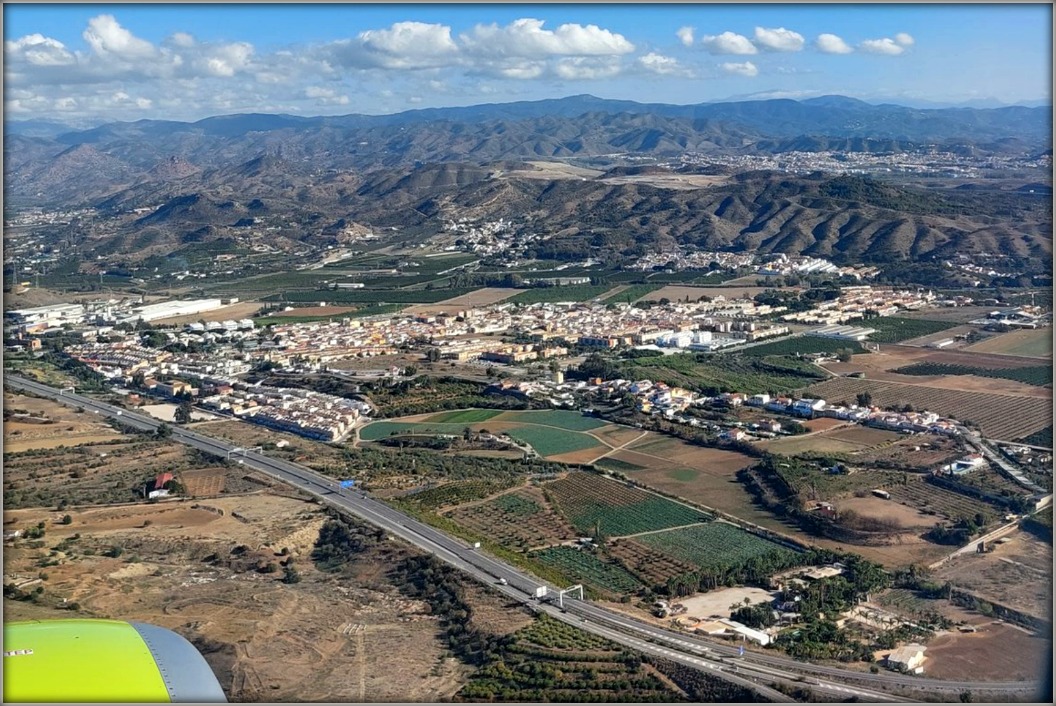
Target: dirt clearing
x,y
1028,343
480,297
677,293
241,310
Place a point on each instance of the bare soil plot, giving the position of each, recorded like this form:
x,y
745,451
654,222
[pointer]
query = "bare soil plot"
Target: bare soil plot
x,y
616,435
865,436
718,602
677,293
204,483
997,652
979,359
14,443
1027,343
914,452
42,424
241,310
480,297
1017,574
871,506
326,639
818,443
999,416
823,424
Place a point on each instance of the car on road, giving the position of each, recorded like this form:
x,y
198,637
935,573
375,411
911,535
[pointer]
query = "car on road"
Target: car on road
x,y
503,582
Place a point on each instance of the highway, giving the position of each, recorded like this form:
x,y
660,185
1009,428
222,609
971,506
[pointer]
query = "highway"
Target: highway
x,y
712,656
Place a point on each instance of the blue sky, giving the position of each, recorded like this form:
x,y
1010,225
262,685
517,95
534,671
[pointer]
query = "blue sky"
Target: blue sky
x,y
91,63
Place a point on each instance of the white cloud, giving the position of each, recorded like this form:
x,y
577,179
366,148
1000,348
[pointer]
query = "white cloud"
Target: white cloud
x,y
662,65
38,50
325,96
405,45
831,44
685,35
904,39
884,46
728,43
779,39
587,68
526,38
225,60
746,69
182,40
105,36
521,70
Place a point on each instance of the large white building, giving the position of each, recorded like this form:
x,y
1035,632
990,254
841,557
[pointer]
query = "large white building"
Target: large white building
x,y
43,317
164,310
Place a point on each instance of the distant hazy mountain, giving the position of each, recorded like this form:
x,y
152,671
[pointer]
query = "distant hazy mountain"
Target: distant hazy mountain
x,y
411,169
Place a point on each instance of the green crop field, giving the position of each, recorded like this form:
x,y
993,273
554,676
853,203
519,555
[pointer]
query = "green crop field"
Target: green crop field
x,y
548,441
615,464
581,566
570,293
715,545
802,345
1039,375
458,492
373,296
727,372
464,416
892,329
631,294
565,419
379,430
586,500
372,310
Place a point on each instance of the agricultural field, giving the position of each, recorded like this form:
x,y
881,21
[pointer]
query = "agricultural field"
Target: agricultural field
x,y
449,495
651,567
998,416
589,500
480,297
560,418
519,520
715,545
932,500
1039,375
564,293
1028,342
371,296
462,416
801,345
892,329
582,566
842,440
552,433
717,372
631,294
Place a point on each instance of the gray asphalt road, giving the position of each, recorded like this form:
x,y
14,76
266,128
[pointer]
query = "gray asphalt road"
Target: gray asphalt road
x,y
708,655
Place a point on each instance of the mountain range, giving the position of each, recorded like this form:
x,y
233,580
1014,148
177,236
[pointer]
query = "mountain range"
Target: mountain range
x,y
410,169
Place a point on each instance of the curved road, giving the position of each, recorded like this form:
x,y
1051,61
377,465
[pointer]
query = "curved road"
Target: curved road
x,y
712,656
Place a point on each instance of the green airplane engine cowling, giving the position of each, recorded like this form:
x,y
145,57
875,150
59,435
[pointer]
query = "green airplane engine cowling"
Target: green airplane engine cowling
x,y
103,661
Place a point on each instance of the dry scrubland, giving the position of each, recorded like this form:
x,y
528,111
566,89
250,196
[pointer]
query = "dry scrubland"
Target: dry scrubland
x,y
323,639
